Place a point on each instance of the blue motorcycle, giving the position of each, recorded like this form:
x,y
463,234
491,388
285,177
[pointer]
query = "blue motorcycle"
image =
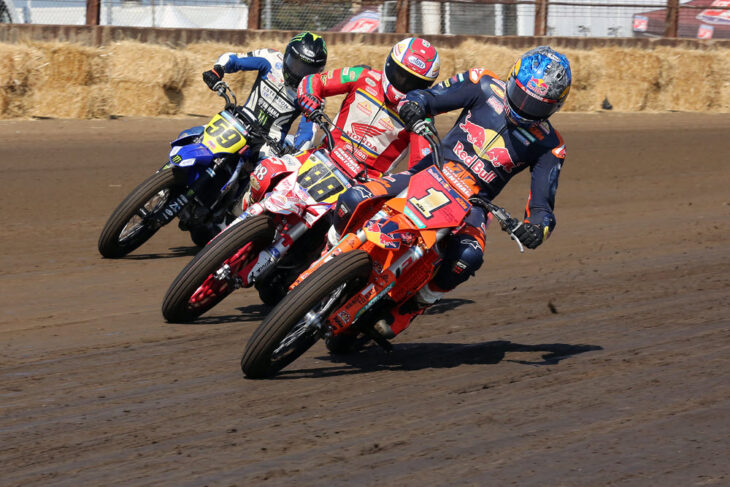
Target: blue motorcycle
x,y
201,184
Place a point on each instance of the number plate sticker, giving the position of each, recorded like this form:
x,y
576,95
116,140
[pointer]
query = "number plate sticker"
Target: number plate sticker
x,y
224,134
321,181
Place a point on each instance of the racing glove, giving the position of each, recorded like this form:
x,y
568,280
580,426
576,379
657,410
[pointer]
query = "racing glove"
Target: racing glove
x,y
213,76
411,113
530,235
309,103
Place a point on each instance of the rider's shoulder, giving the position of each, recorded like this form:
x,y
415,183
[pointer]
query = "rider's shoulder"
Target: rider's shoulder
x,y
551,139
269,54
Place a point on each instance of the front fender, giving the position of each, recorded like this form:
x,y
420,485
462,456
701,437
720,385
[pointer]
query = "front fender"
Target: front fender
x,y
187,136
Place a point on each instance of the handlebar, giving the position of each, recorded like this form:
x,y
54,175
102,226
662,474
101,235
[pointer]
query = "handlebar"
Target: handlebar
x,y
505,220
325,123
248,118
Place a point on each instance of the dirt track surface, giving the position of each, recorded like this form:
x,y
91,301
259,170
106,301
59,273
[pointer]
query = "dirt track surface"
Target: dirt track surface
x,y
599,359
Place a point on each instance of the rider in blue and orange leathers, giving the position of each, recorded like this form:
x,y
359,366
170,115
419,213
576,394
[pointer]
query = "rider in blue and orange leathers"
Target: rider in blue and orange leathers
x,y
503,129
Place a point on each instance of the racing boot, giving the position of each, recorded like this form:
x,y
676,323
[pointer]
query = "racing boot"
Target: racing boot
x,y
399,319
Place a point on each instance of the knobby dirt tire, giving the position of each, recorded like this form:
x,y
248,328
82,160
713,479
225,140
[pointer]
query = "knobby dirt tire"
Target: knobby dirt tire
x,y
109,244
352,267
258,230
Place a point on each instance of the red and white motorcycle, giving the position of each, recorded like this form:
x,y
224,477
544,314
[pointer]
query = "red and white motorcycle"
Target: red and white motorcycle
x,y
271,243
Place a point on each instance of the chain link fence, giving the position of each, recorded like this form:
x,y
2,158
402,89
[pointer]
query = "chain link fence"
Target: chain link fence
x,y
587,18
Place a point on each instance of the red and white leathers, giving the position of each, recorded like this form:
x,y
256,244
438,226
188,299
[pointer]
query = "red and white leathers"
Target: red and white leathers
x,y
367,128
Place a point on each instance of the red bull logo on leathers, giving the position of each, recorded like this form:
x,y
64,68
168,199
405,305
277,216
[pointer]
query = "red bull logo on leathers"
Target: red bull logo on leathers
x,y
487,144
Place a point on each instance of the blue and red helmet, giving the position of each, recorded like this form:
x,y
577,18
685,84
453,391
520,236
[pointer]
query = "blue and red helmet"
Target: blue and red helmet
x,y
537,86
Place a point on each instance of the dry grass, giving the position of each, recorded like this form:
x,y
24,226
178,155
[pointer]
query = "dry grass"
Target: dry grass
x,y
131,78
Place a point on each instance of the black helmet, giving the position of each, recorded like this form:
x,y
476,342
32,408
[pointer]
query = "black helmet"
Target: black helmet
x,y
305,54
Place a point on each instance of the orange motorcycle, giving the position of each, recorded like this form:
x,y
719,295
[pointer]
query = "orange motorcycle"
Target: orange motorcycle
x,y
390,249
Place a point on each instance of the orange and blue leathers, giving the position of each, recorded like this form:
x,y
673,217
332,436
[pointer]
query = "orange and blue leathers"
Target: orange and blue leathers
x,y
493,150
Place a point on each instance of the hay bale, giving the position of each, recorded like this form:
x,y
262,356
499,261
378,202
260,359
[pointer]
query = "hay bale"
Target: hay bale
x,y
68,102
690,80
147,64
69,64
628,77
20,73
585,70
131,98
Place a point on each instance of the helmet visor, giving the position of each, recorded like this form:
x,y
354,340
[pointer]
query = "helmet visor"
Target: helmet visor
x,y
298,69
526,105
402,80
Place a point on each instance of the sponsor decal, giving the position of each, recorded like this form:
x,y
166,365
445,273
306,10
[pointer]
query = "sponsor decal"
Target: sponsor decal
x,y
500,83
370,82
346,159
176,159
520,136
705,31
535,130
344,316
499,157
538,86
497,90
445,83
278,65
471,163
527,134
376,76
559,152
456,181
386,123
364,107
371,90
425,151
365,130
475,74
417,62
496,104
641,23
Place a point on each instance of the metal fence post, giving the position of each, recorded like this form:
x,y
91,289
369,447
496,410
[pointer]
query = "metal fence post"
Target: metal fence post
x,y
93,12
672,21
254,14
401,21
541,10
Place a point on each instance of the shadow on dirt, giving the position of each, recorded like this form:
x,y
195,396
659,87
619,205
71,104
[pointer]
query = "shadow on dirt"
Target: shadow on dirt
x,y
255,312
174,252
417,356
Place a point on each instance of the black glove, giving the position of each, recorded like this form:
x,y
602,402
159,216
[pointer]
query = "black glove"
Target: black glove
x,y
530,235
213,76
411,112
309,103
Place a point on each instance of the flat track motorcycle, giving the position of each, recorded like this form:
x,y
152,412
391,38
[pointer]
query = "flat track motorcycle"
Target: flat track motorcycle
x,y
200,184
271,242
390,250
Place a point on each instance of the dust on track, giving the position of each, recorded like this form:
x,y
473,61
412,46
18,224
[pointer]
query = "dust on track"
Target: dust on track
x,y
599,359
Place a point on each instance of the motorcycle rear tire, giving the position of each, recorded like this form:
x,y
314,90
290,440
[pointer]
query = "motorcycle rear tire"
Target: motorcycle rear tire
x,y
258,230
351,268
111,245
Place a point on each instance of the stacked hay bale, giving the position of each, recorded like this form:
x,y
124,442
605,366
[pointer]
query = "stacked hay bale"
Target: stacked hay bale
x,y
70,83
145,79
21,65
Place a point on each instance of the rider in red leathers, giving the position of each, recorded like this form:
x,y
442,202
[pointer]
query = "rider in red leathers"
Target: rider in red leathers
x,y
368,133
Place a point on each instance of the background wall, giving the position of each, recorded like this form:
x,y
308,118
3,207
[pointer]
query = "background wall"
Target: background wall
x,y
97,76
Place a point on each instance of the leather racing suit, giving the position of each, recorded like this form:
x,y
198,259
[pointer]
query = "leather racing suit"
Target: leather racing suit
x,y
483,152
273,101
367,132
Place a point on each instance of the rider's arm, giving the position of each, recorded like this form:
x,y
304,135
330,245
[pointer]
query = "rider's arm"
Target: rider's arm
x,y
419,148
233,62
543,186
458,92
305,134
335,82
